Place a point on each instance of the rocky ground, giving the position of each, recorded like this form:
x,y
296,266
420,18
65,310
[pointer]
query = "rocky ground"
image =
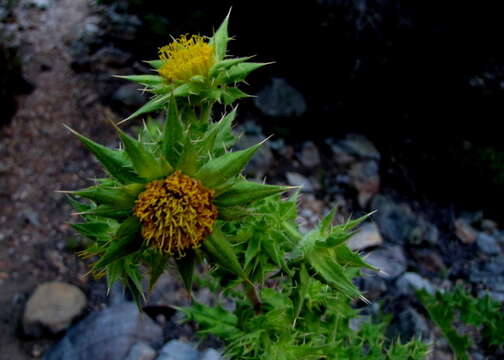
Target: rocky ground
x,y
65,56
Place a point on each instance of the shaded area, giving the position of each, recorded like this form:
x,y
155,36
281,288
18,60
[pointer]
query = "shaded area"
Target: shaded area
x,y
423,80
11,82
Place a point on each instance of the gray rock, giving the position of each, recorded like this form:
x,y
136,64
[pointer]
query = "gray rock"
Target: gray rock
x,y
464,231
210,354
372,286
341,155
360,146
391,261
489,226
107,335
499,236
32,217
399,225
178,350
429,260
489,273
477,356
430,233
52,306
91,32
310,156
396,222
141,351
129,95
411,282
356,323
365,178
296,179
121,25
111,56
279,99
487,244
367,236
411,324
497,296
39,4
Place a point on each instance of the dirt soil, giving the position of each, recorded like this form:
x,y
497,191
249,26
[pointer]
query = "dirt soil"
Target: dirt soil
x,y
38,156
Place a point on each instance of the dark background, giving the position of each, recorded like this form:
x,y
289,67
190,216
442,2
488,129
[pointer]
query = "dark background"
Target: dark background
x,y
423,80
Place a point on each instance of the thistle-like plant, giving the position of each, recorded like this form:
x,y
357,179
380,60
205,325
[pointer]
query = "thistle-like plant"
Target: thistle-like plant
x,y
196,69
176,192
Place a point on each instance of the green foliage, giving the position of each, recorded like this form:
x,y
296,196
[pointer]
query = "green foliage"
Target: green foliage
x,y
451,307
296,309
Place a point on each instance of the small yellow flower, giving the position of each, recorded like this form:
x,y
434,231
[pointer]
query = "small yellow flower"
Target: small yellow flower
x,y
176,213
186,57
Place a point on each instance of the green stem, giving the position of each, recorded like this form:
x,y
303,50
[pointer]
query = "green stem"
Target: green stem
x,y
206,112
253,297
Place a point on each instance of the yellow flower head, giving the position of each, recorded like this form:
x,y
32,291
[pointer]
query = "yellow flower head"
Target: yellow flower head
x,y
176,213
186,57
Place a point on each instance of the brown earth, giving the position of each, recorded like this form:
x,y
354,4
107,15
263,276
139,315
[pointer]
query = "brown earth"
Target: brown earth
x,y
37,157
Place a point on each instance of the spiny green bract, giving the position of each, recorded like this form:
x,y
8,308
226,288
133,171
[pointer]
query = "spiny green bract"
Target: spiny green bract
x,y
199,152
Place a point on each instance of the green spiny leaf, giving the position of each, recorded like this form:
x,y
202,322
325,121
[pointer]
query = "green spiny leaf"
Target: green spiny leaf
x,y
107,211
125,242
234,213
244,192
223,252
240,71
220,39
112,160
325,224
134,283
185,266
231,94
253,249
145,163
77,205
350,224
226,64
146,80
225,138
173,134
346,257
189,159
212,320
156,64
155,104
324,263
219,170
116,197
157,264
92,230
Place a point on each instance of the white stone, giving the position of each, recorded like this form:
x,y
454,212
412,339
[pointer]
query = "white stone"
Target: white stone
x,y
141,351
52,306
210,354
411,282
367,236
178,350
296,179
